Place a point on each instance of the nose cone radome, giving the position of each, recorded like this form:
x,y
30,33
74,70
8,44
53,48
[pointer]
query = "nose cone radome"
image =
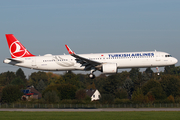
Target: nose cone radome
x,y
175,61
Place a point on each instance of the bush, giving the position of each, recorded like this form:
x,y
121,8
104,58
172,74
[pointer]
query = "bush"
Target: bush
x,y
121,94
11,93
154,87
87,99
177,99
138,97
51,97
81,94
69,101
151,97
171,99
107,98
122,101
64,91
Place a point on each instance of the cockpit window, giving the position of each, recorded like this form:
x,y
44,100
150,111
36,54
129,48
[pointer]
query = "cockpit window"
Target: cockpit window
x,y
168,56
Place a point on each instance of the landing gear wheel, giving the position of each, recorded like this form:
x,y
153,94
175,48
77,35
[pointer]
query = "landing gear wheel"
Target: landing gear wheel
x,y
92,76
157,71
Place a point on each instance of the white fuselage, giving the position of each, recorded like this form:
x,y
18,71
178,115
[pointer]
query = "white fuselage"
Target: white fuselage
x,y
123,60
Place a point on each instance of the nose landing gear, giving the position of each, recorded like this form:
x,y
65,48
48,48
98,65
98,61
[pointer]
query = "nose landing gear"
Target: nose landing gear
x,y
157,71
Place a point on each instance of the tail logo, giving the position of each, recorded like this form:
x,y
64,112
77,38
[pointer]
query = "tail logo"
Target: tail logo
x,y
17,50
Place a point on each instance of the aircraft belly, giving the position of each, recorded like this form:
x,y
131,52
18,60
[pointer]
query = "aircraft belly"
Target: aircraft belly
x,y
25,64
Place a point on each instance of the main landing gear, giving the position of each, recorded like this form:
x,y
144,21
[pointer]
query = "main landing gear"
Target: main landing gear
x,y
91,75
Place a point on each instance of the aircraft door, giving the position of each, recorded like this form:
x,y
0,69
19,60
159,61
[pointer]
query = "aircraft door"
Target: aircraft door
x,y
34,63
158,58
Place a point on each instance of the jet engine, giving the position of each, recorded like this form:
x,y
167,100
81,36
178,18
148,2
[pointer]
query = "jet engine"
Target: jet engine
x,y
109,68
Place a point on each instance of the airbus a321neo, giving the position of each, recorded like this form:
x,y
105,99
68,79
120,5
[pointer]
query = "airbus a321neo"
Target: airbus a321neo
x,y
107,63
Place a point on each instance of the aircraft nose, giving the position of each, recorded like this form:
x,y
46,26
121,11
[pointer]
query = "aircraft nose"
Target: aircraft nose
x,y
175,60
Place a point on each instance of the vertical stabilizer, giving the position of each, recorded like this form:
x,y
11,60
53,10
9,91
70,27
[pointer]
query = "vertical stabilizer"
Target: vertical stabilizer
x,y
16,48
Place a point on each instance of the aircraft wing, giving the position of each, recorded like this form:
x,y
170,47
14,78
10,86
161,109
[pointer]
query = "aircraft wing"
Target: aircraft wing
x,y
83,61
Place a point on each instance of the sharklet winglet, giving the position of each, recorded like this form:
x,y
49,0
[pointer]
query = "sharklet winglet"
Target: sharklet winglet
x,y
69,50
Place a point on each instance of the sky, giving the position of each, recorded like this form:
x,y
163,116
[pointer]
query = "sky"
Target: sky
x,y
90,26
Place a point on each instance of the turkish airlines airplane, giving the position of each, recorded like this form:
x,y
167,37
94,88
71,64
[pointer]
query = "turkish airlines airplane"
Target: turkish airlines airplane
x,y
105,62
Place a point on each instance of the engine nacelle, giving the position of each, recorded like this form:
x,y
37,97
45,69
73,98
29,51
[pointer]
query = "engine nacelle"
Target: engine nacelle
x,y
109,68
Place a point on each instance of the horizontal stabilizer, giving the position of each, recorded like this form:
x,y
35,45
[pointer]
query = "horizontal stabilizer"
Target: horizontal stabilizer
x,y
14,60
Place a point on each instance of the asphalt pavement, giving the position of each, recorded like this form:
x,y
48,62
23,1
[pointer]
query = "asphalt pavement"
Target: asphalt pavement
x,y
92,110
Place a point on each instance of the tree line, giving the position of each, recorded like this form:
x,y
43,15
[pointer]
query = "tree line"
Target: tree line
x,y
125,87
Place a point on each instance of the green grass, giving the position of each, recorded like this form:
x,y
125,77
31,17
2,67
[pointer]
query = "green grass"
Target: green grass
x,y
89,115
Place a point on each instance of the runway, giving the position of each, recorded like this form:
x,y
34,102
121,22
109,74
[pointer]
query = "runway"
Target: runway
x,y
92,110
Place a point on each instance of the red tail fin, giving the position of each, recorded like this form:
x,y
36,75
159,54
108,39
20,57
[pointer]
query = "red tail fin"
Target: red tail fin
x,y
16,48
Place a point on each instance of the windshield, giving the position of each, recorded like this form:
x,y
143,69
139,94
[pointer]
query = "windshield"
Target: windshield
x,y
168,56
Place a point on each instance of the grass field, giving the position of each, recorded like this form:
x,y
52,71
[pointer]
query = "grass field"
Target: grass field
x,y
89,115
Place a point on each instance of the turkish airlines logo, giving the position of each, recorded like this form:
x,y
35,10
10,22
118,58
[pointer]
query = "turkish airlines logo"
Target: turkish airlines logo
x,y
17,50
